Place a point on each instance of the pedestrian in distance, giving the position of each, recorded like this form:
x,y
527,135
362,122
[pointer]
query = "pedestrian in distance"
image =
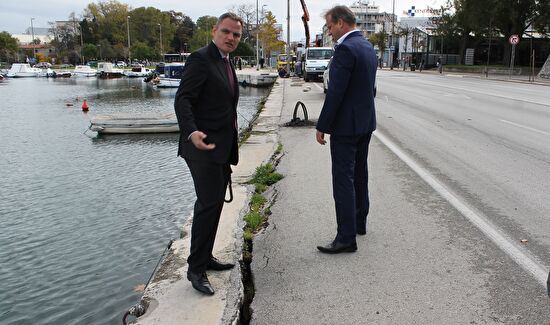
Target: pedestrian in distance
x,y
206,108
262,62
348,116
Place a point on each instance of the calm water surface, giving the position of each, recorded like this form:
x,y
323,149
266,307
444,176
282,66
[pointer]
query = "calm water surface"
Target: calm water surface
x,y
84,219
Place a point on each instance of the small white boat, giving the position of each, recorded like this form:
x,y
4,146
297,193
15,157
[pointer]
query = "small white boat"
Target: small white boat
x,y
172,76
62,74
125,123
162,82
108,70
84,71
46,73
21,70
137,72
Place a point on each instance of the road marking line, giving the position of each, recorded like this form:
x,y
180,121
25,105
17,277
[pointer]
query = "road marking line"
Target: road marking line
x,y
316,84
525,259
489,94
525,127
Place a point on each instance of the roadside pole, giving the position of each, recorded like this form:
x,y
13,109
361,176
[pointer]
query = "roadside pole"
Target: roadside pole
x,y
514,39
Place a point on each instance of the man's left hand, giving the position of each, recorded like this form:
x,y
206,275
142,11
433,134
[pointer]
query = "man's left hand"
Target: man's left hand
x,y
321,138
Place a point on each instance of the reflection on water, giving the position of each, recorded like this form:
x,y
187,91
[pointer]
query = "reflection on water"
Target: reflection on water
x,y
84,220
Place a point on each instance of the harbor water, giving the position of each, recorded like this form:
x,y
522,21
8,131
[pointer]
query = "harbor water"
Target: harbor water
x,y
84,218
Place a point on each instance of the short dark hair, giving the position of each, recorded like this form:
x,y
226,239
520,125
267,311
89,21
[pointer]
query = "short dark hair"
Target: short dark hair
x,y
232,16
341,12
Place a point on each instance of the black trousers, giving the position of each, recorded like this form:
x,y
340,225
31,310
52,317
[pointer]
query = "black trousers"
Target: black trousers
x,y
210,181
350,184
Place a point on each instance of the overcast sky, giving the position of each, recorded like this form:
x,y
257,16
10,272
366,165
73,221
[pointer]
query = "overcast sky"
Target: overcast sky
x,y
15,16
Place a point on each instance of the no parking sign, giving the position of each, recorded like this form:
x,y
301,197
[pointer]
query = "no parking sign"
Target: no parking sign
x,y
514,39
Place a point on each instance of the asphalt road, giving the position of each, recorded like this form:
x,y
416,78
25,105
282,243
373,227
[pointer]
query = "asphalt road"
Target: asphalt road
x,y
487,141
459,227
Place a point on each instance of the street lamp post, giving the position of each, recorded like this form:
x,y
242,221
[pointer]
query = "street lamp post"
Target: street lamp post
x,y
288,57
128,29
262,22
160,41
392,32
32,41
99,46
257,40
81,40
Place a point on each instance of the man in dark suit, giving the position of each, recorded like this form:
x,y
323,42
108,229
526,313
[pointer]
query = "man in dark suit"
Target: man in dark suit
x,y
206,108
348,116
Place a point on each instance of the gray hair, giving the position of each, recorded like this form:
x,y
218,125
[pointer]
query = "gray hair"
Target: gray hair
x,y
232,16
341,12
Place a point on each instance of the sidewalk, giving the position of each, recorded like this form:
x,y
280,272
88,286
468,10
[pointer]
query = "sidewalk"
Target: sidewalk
x,y
420,262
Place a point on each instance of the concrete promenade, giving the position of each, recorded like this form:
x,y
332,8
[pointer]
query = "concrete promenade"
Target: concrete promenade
x,y
413,266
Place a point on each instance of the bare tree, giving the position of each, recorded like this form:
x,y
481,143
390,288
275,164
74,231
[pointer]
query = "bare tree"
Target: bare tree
x,y
248,13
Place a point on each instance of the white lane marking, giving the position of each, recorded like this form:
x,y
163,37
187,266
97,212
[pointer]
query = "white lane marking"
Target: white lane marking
x,y
486,93
526,260
316,84
525,127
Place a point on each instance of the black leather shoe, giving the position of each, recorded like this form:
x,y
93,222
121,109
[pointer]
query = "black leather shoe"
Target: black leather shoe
x,y
200,282
337,247
216,265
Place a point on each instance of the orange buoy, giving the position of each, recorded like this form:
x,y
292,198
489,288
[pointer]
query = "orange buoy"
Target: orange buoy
x,y
85,105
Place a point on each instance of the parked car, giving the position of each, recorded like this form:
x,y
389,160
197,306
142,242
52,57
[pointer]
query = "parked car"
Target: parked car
x,y
325,76
43,65
326,79
121,64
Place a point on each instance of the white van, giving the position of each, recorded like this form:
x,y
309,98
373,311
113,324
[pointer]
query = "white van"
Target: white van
x,y
316,62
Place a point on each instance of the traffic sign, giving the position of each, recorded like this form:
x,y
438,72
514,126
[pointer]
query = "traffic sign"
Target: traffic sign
x,y
514,39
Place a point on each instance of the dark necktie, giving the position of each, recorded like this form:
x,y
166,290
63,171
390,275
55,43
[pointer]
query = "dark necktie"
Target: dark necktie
x,y
231,82
229,74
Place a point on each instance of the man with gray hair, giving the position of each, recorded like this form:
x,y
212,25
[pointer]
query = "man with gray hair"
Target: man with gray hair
x,y
206,108
348,116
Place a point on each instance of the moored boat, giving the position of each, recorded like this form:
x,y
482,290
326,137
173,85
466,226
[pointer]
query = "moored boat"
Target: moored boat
x,y
84,71
137,72
47,73
62,74
172,76
22,70
125,123
108,70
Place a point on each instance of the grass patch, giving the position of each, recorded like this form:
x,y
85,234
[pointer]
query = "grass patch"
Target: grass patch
x,y
266,175
279,149
254,220
257,202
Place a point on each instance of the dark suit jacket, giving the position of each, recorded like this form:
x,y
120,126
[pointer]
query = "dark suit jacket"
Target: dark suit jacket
x,y
205,102
349,105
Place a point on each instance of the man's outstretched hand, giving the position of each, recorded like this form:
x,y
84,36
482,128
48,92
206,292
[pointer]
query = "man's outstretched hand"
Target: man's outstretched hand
x,y
197,138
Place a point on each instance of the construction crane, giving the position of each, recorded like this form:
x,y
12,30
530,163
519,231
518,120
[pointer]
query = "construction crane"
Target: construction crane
x,y
305,19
